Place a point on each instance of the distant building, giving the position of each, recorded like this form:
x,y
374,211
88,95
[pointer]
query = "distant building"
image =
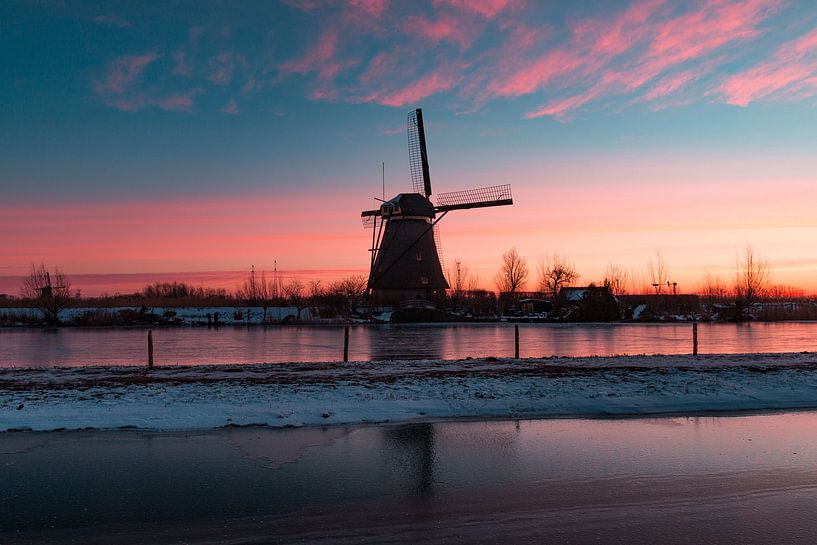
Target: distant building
x,y
522,302
587,304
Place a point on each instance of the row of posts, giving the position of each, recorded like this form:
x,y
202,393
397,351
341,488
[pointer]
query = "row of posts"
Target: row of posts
x,y
515,343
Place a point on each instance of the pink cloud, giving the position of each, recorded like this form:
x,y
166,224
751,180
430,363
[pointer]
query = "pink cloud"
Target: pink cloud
x,y
445,28
381,64
792,68
560,108
123,72
486,8
528,78
178,102
316,59
372,8
608,38
252,85
605,59
670,84
230,108
181,102
428,85
222,67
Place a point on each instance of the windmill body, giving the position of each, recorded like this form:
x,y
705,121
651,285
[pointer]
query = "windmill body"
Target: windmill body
x,y
406,263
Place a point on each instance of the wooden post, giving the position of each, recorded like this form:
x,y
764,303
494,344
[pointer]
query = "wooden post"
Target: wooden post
x,y
346,344
150,348
516,341
695,338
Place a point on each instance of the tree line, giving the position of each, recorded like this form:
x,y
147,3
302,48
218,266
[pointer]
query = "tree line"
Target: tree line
x,y
751,283
49,291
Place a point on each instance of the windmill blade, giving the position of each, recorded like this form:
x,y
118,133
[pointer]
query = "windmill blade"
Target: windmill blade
x,y
418,154
439,246
497,195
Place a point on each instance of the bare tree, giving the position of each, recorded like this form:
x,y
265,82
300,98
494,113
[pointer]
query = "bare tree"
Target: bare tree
x,y
317,297
294,290
752,279
712,289
316,289
513,273
617,279
249,290
659,271
350,288
257,290
783,292
46,292
556,272
462,281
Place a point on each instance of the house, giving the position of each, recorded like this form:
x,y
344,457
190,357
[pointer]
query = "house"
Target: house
x,y
588,304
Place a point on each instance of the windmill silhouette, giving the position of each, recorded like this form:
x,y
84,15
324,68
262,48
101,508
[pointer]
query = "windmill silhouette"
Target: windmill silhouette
x,y
47,290
405,258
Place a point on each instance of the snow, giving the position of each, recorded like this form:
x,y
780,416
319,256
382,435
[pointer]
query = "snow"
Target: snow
x,y
184,315
298,394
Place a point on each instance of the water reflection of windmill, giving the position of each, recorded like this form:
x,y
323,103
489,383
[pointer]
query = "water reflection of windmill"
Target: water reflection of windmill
x,y
405,261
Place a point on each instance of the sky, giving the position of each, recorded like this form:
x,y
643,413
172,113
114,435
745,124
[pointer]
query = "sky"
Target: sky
x,y
161,137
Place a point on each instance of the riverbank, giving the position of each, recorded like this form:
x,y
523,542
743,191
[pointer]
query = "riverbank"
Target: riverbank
x,y
318,394
745,479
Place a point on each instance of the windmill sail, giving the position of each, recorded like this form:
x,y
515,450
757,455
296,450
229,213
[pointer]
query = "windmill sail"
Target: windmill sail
x,y
418,154
497,195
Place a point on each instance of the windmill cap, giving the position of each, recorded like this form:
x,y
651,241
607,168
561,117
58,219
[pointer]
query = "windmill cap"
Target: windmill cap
x,y
412,204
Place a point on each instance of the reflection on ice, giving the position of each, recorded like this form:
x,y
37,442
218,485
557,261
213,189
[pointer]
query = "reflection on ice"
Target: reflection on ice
x,y
197,346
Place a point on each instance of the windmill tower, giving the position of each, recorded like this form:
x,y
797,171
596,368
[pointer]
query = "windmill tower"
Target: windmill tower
x,y
405,258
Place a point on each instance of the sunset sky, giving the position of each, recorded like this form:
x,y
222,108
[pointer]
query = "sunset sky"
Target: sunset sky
x,y
157,137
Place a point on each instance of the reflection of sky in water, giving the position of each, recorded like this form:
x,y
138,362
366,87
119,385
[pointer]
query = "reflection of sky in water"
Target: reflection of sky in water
x,y
282,344
128,476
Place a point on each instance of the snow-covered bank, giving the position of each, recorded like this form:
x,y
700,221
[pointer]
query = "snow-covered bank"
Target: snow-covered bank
x,y
301,394
168,315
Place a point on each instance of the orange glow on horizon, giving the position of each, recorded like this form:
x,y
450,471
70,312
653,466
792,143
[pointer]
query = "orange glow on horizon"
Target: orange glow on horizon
x,y
698,226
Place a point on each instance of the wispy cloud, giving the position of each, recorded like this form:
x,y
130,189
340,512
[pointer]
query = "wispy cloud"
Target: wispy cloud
x,y
638,47
417,90
230,108
120,87
122,72
319,58
221,68
644,53
488,9
446,27
180,102
112,21
790,73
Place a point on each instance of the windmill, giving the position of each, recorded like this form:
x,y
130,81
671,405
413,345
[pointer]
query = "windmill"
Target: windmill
x,y
405,258
47,289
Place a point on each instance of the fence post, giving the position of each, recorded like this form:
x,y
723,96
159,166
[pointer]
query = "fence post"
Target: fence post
x,y
516,341
695,337
346,344
150,348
